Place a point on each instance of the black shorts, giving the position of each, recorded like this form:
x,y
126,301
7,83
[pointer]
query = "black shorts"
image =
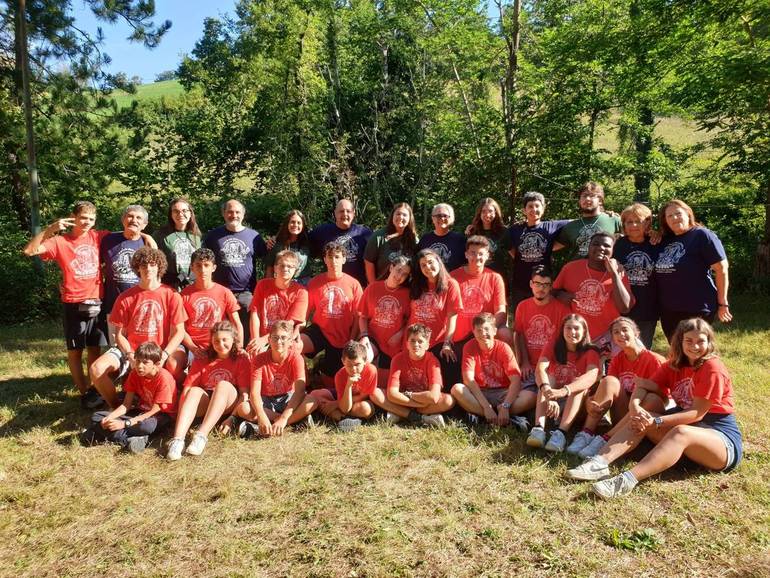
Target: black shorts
x,y
332,360
80,330
383,360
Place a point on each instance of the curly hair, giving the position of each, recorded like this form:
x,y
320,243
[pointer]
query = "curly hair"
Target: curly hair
x,y
148,256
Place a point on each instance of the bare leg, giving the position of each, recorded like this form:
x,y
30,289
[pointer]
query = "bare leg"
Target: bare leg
x,y
606,396
222,401
379,399
176,364
465,398
445,403
75,363
304,409
571,410
194,402
525,401
100,372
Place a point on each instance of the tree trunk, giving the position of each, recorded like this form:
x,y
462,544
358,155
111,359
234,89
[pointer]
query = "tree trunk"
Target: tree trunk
x,y
762,261
509,86
643,142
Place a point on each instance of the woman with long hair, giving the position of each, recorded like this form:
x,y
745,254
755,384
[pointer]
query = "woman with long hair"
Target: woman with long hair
x,y
488,222
399,237
178,239
292,235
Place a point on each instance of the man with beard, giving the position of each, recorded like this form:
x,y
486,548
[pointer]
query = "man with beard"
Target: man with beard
x,y
593,219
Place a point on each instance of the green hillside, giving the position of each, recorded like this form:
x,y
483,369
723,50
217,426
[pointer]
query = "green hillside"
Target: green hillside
x,y
155,90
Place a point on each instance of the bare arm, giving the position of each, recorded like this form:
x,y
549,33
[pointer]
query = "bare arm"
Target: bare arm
x,y
371,272
176,337
35,245
621,296
722,281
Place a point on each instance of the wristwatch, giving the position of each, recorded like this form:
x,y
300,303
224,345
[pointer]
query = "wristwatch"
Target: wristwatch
x,y
128,423
658,421
506,405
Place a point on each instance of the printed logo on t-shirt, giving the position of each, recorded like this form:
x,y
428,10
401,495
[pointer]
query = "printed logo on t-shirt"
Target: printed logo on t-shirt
x,y
682,393
121,267
493,373
532,247
275,310
183,250
148,318
85,265
426,308
565,374
591,297
627,381
539,331
670,256
639,267
333,302
219,374
414,379
206,313
473,300
351,247
584,238
233,252
278,385
387,312
442,251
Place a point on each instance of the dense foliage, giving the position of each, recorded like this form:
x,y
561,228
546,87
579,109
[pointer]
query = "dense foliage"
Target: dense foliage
x,y
296,103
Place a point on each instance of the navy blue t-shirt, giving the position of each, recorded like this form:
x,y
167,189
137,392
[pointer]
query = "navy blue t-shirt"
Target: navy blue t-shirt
x,y
533,246
450,247
235,253
115,251
354,239
639,259
683,271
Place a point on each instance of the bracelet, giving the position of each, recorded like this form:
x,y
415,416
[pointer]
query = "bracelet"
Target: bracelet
x,y
166,353
723,304
447,345
364,335
569,391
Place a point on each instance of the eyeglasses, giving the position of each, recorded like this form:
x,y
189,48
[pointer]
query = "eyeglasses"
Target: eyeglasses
x,y
633,223
182,211
541,285
280,338
441,216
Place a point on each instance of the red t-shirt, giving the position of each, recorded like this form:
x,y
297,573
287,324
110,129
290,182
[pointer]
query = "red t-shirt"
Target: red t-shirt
x,y
335,304
78,259
490,369
538,324
204,308
365,386
207,373
577,364
626,370
484,293
277,378
160,389
710,381
148,315
409,375
593,294
273,304
387,311
432,310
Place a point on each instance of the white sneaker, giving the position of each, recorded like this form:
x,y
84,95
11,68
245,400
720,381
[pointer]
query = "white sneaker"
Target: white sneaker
x,y
392,418
175,447
592,469
581,440
597,444
435,420
536,437
556,442
348,424
620,485
197,445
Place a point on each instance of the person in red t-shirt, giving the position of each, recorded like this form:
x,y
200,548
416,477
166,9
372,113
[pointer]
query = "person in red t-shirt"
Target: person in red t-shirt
x,y
154,389
214,387
702,426
632,361
436,301
482,290
536,321
414,387
277,394
596,288
77,254
353,385
206,303
275,299
148,311
491,385
333,299
383,313
568,367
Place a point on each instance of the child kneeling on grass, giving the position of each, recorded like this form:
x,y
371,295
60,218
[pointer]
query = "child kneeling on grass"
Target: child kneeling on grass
x,y
492,380
277,395
414,386
353,385
157,403
213,388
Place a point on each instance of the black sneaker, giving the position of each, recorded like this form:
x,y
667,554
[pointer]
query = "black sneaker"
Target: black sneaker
x,y
414,417
247,430
91,399
87,437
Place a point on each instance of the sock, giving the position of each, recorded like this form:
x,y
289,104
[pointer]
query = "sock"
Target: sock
x,y
631,478
605,437
588,431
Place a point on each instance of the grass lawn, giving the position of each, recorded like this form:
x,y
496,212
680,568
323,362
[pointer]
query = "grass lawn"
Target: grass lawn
x,y
380,501
153,90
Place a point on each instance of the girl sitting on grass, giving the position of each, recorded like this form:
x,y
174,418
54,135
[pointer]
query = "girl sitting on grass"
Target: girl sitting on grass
x,y
615,390
567,368
213,388
702,426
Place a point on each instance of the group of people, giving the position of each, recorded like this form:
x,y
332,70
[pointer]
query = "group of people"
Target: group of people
x,y
407,326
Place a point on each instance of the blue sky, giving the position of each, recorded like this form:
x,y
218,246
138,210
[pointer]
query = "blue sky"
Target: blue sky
x,y
134,59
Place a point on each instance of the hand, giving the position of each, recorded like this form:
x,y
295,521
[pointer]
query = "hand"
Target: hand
x,y
503,415
641,423
723,313
490,415
60,225
396,338
265,428
526,371
354,379
612,267
252,347
553,394
552,410
448,353
654,236
278,426
114,425
468,230
270,243
597,409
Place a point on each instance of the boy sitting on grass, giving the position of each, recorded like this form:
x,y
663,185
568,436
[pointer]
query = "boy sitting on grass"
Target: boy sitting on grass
x,y
353,384
491,385
414,386
277,396
155,389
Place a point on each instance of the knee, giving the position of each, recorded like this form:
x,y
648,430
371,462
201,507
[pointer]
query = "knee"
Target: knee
x,y
458,389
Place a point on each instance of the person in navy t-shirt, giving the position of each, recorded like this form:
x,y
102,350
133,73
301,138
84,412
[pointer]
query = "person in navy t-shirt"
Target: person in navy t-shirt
x,y
689,252
236,248
349,234
532,243
448,244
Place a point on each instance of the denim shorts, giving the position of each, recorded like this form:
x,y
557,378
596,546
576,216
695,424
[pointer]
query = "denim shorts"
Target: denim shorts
x,y
726,427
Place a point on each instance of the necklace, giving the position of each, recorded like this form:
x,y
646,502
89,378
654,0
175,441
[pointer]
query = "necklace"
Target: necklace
x,y
590,274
